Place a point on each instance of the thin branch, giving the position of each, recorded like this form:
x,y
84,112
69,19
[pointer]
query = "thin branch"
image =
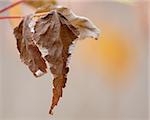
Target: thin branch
x,y
16,17
19,17
12,5
11,17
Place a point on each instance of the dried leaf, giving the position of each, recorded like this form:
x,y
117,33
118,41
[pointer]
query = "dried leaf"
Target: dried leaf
x,y
56,34
53,33
29,52
85,26
49,39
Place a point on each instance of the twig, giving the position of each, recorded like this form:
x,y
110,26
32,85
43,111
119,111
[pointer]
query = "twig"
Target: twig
x,y
19,17
12,5
11,17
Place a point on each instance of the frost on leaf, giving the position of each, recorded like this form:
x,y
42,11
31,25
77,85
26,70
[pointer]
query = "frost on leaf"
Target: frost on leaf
x,y
48,39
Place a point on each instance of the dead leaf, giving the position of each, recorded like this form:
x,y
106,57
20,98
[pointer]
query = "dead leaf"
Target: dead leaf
x,y
84,25
49,39
55,33
29,52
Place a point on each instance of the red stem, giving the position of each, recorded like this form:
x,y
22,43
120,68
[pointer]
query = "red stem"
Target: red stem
x,y
12,5
19,17
11,17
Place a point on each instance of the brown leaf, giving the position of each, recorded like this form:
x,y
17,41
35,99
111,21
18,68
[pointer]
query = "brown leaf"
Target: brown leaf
x,y
48,39
29,52
84,25
53,33
56,34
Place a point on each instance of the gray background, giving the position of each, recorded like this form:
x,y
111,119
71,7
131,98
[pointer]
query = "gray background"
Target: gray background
x,y
86,96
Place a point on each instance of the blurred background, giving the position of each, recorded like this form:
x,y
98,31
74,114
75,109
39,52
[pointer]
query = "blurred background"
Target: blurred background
x,y
108,78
